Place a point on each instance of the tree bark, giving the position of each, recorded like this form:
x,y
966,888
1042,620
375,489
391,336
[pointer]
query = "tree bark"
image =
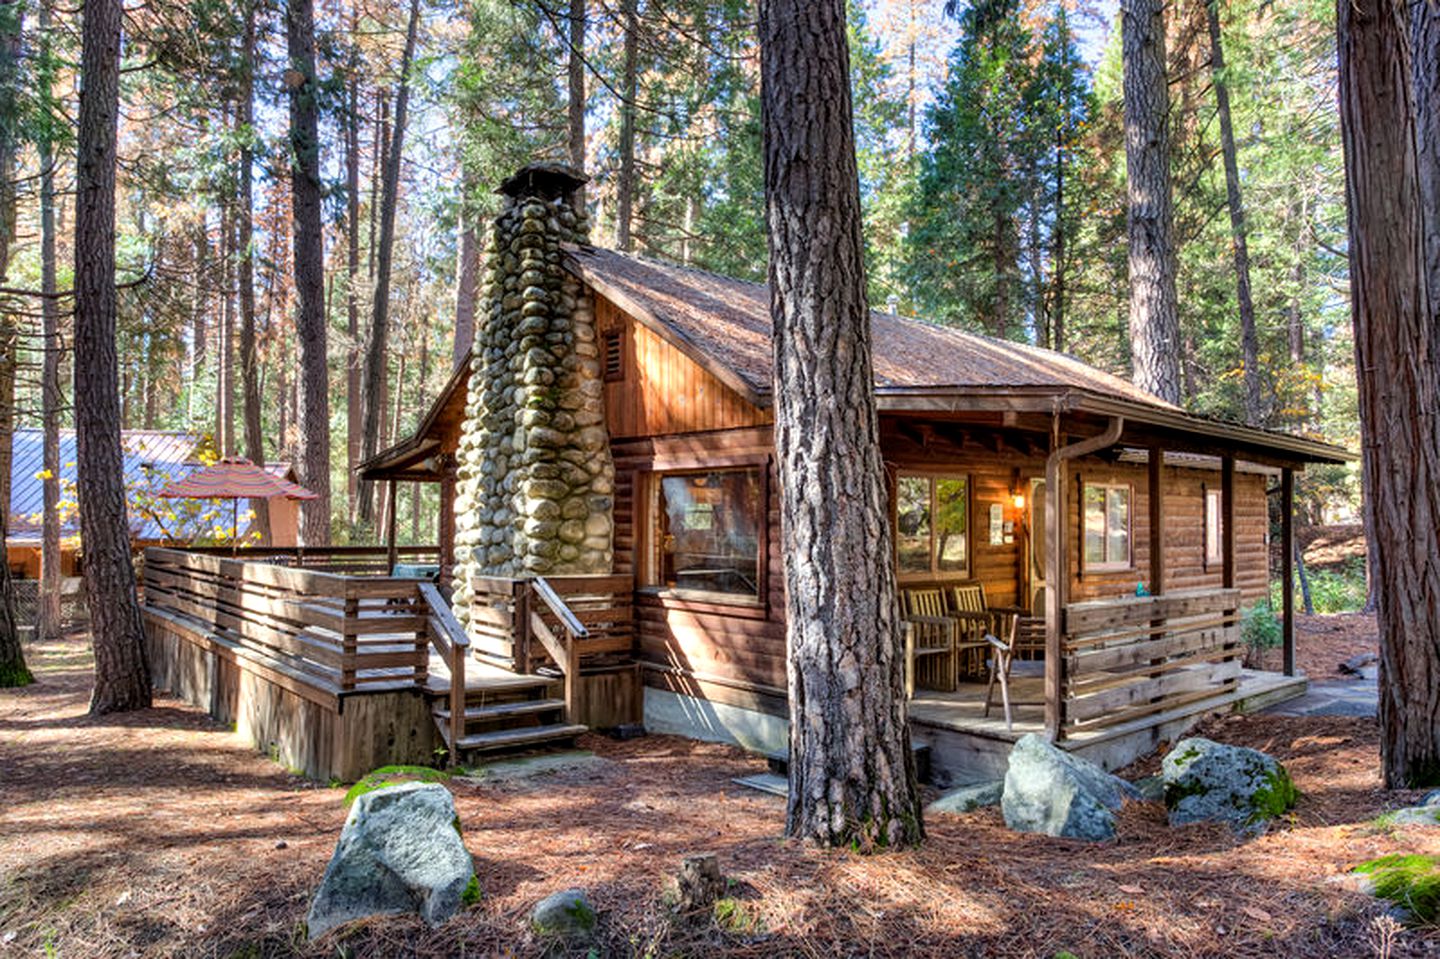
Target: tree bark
x,y
1154,315
852,774
1240,247
374,374
313,400
48,620
13,671
625,193
467,285
122,674
225,335
1425,78
249,355
1398,376
353,418
575,74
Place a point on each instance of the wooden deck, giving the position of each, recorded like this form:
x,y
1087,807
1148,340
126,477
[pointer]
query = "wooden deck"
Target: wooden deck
x,y
969,746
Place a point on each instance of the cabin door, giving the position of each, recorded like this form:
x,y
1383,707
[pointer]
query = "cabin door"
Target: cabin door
x,y
1036,550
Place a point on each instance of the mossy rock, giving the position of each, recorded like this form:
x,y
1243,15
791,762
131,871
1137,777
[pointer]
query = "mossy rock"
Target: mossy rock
x,y
1206,781
393,775
1411,882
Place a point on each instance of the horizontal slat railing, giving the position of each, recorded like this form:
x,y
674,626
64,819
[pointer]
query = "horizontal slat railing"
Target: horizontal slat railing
x,y
1138,657
339,633
595,612
344,560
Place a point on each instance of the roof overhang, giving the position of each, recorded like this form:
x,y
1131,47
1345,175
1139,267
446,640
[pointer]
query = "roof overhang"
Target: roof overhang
x,y
414,458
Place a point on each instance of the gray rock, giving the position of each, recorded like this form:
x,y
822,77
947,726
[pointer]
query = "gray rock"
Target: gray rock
x,y
1432,798
1151,788
400,852
1423,815
566,915
1050,791
1206,781
968,798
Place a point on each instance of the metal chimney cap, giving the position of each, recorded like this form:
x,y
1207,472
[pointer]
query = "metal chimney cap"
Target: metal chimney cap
x,y
545,180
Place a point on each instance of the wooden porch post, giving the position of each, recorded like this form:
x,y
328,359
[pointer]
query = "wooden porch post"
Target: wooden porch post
x,y
1227,520
392,551
446,533
1056,581
1156,494
1287,567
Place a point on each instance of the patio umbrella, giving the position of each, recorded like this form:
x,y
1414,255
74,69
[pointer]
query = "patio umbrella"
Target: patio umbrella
x,y
234,478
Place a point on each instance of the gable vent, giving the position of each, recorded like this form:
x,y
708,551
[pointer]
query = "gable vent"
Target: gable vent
x,y
614,355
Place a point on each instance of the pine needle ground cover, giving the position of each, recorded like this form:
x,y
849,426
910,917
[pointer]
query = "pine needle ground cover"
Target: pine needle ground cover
x,y
162,834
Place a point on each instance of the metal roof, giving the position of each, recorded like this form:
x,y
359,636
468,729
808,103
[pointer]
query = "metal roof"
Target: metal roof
x,y
151,459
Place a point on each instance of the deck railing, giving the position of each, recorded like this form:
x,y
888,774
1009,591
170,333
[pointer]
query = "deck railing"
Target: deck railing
x,y
342,633
1139,657
345,560
524,623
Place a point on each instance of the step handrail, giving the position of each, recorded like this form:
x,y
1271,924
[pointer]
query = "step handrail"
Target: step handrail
x,y
563,652
557,607
453,643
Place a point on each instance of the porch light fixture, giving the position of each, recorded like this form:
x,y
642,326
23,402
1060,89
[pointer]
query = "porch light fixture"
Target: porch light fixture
x,y
1018,500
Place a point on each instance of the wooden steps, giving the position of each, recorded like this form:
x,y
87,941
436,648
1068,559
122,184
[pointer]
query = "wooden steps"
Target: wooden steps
x,y
503,711
526,736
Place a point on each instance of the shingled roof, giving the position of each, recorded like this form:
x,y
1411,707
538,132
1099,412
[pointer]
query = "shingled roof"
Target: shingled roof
x,y
729,321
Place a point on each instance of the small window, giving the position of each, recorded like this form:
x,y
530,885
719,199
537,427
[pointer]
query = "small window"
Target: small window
x,y
612,345
1214,528
707,531
931,525
1107,526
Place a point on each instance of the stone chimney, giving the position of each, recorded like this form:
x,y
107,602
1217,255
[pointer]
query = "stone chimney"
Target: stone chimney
x,y
536,481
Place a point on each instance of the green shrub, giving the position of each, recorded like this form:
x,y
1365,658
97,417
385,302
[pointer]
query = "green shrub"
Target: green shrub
x,y
1260,627
1331,591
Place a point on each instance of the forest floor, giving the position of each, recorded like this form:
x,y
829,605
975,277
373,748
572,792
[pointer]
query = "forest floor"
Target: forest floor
x,y
1322,643
161,833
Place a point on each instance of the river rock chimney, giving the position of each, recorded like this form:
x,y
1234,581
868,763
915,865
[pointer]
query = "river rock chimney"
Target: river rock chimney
x,y
536,481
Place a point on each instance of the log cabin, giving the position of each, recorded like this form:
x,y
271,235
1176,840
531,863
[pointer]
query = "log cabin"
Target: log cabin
x,y
609,548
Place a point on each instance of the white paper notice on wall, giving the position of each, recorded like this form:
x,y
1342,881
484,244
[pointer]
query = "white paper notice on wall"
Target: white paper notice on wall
x,y
997,524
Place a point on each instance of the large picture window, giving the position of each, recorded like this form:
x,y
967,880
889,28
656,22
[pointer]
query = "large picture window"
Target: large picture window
x,y
1106,524
706,533
931,525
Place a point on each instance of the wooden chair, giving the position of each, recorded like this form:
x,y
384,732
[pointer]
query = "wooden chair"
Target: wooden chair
x,y
1021,651
930,640
977,620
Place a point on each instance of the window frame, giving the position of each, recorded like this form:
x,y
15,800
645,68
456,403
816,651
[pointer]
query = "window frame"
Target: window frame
x,y
933,476
1108,565
647,525
1214,546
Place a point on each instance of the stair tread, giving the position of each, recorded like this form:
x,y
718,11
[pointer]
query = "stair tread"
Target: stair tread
x,y
501,710
516,737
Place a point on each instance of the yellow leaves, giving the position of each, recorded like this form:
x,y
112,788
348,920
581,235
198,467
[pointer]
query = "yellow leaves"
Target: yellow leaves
x,y
43,475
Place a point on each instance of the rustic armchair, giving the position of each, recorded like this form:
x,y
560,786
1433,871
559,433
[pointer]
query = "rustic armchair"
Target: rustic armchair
x,y
1020,653
930,641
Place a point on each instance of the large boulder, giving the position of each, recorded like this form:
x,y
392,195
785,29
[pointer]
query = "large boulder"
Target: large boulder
x,y
400,852
1206,781
1050,791
968,798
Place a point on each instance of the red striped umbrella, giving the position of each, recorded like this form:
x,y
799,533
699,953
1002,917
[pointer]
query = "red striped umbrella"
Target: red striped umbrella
x,y
234,478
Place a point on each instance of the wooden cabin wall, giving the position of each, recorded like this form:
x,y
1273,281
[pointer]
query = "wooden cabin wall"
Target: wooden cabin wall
x,y
661,390
732,651
1184,531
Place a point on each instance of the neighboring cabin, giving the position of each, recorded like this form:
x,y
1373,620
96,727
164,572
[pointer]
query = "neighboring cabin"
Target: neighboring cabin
x,y
151,459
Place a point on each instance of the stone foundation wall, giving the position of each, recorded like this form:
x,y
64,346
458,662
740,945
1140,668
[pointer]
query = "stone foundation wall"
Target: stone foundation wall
x,y
536,481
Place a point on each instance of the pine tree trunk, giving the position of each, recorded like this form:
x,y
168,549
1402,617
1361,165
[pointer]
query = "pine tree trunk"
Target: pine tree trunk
x,y
353,419
374,374
467,283
1240,247
852,775
625,192
575,75
48,620
13,671
249,349
313,398
122,674
1399,381
225,345
1154,315
1425,73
